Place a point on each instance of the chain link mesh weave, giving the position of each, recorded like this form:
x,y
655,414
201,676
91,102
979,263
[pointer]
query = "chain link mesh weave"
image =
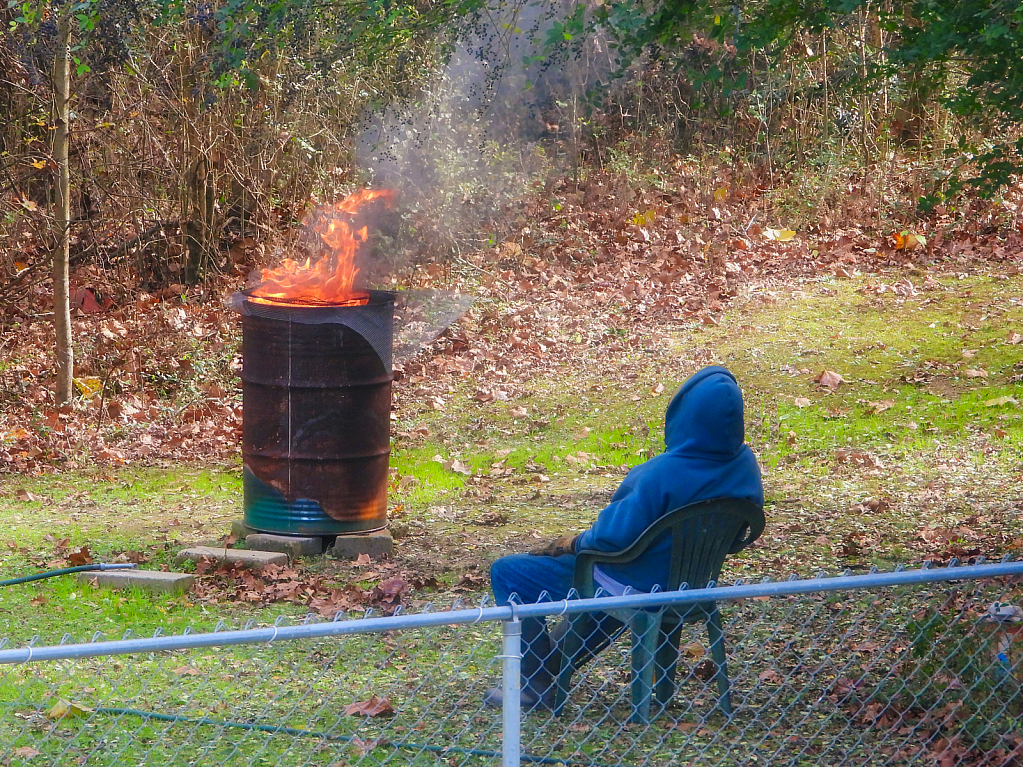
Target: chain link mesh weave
x,y
916,674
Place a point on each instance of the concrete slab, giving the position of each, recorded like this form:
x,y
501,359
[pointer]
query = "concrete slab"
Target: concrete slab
x,y
244,557
378,544
147,580
241,530
292,545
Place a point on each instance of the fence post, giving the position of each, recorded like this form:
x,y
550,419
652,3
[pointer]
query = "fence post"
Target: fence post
x,y
511,632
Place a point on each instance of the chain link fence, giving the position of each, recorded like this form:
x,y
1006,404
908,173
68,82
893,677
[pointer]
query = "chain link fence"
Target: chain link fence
x,y
914,667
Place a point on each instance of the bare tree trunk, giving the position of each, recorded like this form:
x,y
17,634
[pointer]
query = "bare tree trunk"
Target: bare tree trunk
x,y
197,221
64,353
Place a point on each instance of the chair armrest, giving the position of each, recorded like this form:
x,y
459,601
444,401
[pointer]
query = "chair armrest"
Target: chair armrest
x,y
751,532
587,558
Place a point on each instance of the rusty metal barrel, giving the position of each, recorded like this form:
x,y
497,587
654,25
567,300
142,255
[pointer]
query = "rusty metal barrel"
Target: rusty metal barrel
x,y
316,425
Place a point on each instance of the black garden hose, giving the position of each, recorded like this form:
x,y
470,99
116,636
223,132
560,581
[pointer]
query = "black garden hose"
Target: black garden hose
x,y
275,728
67,571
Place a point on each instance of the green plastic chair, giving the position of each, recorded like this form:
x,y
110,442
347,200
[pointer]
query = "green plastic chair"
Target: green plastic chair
x,y
702,535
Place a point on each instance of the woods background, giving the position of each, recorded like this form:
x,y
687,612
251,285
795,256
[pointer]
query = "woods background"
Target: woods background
x,y
199,134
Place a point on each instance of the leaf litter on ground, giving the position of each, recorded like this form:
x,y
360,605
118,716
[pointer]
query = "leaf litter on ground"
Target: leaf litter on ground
x,y
579,291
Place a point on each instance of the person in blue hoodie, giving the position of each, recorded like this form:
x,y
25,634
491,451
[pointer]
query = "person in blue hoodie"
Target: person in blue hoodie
x,y
706,456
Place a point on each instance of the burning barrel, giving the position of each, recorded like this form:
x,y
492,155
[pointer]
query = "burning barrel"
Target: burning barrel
x,y
317,401
316,386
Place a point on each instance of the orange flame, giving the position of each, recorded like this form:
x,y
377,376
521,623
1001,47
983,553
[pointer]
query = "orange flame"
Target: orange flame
x,y
330,280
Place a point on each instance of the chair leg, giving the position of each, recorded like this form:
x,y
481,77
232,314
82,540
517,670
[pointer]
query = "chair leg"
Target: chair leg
x,y
646,630
570,645
717,650
667,662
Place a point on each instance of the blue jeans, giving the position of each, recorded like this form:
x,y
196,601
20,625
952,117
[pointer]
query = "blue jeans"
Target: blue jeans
x,y
529,576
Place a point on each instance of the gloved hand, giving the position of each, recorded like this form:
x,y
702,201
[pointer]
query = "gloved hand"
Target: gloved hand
x,y
556,548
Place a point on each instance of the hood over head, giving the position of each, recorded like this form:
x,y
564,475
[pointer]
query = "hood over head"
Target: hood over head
x,y
705,415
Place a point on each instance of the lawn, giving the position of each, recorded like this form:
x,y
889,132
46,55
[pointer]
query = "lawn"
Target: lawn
x,y
887,423
914,454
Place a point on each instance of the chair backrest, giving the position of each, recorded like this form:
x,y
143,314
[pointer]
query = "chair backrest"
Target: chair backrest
x,y
702,535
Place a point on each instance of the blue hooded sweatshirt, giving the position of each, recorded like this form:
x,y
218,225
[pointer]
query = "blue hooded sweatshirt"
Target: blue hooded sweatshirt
x,y
706,457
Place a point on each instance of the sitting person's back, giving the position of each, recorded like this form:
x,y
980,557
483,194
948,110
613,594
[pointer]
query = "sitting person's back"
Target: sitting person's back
x,y
705,457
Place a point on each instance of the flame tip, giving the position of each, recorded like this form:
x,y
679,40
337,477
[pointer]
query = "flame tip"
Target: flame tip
x,y
330,280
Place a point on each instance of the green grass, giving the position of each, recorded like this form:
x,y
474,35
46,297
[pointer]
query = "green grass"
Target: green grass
x,y
907,408
940,449
877,343
119,508
152,511
790,657
907,413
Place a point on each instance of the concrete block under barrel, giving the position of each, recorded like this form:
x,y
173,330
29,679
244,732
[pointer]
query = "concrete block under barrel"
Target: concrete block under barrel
x,y
316,425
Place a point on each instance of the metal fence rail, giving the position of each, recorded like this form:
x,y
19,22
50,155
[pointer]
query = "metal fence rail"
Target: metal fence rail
x,y
913,667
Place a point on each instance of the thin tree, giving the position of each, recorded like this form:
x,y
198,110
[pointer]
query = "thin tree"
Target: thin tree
x,y
63,349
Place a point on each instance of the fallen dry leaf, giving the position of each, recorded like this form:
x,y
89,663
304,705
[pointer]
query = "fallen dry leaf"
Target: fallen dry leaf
x,y
363,747
457,466
705,670
453,465
407,481
904,288
907,240
471,581
802,402
518,412
490,519
779,235
976,373
829,379
880,407
857,457
998,401
375,706
26,752
875,505
390,589
693,650
80,557
63,708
